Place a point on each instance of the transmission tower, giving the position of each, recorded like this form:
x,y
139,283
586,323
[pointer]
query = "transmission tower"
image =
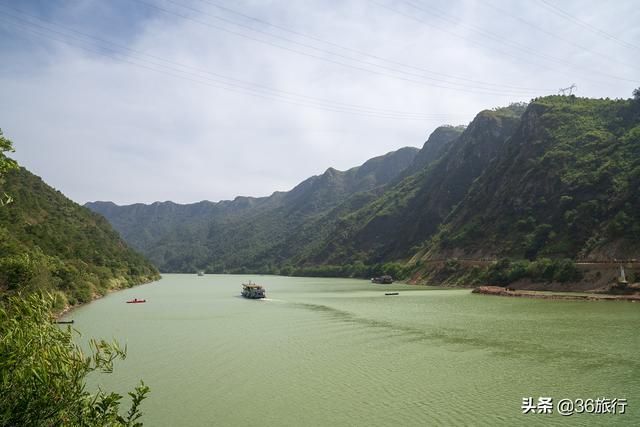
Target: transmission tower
x,y
563,91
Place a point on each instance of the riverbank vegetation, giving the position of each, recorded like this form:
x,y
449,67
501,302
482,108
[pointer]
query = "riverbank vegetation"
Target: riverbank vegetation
x,y
43,371
502,272
55,253
49,243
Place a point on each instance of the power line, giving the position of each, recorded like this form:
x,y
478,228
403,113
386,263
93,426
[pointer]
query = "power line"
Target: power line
x,y
215,83
199,70
470,40
324,51
493,36
560,12
443,84
357,51
518,46
554,35
478,43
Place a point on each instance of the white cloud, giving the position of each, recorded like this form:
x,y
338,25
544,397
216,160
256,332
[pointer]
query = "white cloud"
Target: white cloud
x,y
98,128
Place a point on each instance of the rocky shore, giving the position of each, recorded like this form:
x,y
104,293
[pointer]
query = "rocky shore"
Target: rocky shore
x,y
508,292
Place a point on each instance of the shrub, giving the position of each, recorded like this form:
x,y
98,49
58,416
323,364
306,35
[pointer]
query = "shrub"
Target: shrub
x,y
42,371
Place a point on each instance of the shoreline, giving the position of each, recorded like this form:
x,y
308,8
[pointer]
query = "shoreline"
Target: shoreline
x,y
506,292
69,308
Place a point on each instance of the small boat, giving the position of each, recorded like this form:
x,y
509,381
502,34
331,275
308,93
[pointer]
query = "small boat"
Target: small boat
x,y
252,291
136,301
392,293
383,280
64,322
200,273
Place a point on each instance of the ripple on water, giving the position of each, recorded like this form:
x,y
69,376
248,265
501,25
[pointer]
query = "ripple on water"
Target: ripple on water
x,y
334,352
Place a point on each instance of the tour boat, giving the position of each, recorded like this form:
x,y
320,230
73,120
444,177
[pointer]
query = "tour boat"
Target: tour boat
x,y
136,301
252,291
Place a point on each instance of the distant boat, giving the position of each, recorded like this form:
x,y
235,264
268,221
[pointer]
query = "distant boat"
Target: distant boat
x,y
64,322
384,280
136,301
392,293
252,291
200,273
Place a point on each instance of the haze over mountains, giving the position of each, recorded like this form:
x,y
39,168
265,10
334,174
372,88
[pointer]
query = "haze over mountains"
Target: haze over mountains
x,y
557,178
242,232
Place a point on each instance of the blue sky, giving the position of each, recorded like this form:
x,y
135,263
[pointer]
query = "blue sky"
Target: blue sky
x,y
185,100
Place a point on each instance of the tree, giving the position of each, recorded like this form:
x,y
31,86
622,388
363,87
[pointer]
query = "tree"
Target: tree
x,y
636,94
42,372
5,164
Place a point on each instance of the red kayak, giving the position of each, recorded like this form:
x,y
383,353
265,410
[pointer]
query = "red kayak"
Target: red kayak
x,y
136,301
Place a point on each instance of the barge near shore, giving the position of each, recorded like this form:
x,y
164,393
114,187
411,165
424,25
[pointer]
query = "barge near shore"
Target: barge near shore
x,y
384,280
252,291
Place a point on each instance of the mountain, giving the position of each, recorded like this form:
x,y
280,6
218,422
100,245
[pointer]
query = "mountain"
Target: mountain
x,y
566,185
49,242
409,212
229,235
435,147
542,184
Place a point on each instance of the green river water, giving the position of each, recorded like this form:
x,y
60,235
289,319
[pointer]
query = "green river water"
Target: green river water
x,y
338,352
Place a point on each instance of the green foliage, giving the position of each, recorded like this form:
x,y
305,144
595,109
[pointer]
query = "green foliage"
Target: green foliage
x,y
564,185
27,270
6,164
506,271
6,146
358,270
260,234
43,372
48,242
536,240
515,109
557,178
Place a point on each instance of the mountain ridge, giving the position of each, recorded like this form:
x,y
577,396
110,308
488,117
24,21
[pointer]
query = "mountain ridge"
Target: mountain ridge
x,y
220,228
457,197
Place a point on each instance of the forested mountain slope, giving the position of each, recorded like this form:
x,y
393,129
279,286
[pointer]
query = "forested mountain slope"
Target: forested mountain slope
x,y
435,147
408,213
556,178
566,185
230,235
49,242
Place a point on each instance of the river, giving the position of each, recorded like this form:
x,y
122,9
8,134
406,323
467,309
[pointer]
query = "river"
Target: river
x,y
338,352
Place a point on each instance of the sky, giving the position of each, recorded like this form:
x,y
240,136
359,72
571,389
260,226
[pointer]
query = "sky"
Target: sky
x,y
187,100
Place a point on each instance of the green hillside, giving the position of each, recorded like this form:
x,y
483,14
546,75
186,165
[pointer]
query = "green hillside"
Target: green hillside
x,y
404,216
49,242
567,186
244,233
554,179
